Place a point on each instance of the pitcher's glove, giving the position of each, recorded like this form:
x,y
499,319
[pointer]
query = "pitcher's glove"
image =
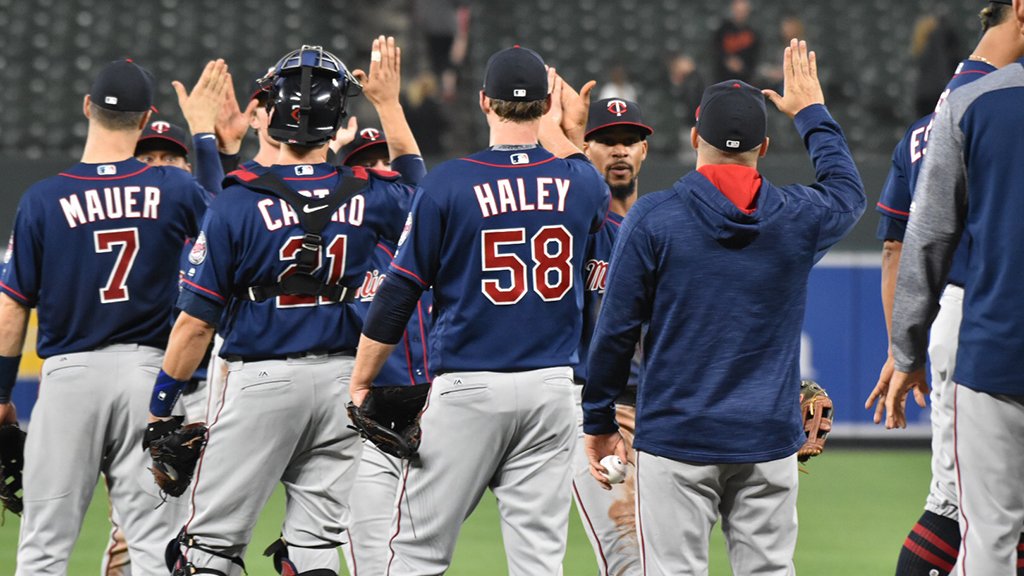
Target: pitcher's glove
x,y
816,407
390,418
175,450
12,461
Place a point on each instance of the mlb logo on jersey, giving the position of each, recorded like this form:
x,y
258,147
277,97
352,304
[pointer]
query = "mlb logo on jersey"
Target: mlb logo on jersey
x,y
106,170
304,170
520,158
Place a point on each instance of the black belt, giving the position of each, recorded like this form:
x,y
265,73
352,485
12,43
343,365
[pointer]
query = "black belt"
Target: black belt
x,y
628,397
293,356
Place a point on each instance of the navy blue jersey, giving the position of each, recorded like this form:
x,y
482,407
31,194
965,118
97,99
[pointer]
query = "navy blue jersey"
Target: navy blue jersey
x,y
407,365
500,236
722,294
96,249
898,192
251,239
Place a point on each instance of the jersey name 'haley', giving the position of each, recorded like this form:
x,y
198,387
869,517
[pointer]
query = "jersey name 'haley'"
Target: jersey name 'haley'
x,y
110,204
511,196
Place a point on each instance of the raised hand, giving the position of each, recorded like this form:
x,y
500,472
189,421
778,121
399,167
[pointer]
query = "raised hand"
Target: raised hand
x,y
575,109
800,80
201,106
383,84
232,123
345,135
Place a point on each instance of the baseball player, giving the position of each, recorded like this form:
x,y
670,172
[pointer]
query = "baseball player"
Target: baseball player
x,y
500,236
715,271
965,189
373,496
616,142
165,144
95,249
932,543
281,253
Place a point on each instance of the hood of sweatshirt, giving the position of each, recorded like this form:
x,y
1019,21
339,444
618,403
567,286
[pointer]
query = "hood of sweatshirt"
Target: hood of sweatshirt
x,y
732,216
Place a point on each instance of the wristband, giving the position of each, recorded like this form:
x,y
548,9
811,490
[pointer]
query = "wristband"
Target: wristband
x,y
8,375
166,391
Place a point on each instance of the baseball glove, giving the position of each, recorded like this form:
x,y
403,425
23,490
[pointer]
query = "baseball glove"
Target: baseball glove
x,y
816,407
175,450
390,418
12,460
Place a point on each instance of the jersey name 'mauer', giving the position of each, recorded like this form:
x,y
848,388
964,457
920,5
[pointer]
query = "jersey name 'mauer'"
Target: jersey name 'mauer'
x,y
500,237
106,239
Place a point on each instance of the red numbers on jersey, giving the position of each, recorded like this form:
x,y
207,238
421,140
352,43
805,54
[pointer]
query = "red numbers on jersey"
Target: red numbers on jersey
x,y
551,252
335,256
116,289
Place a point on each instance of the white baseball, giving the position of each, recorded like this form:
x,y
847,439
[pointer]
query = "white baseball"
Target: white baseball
x,y
616,469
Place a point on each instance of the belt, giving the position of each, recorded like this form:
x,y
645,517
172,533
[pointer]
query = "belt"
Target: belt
x,y
293,356
628,397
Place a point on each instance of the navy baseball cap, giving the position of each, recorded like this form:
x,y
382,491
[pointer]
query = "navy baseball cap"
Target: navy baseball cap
x,y
610,112
162,135
516,74
124,86
366,139
732,116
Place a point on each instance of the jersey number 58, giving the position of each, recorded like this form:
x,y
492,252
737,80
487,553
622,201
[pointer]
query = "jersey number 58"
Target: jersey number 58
x,y
552,273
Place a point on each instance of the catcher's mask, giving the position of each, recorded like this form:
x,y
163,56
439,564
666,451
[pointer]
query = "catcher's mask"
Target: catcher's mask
x,y
307,92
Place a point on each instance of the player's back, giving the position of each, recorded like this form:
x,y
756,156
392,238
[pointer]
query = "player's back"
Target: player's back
x,y
96,249
504,252
253,238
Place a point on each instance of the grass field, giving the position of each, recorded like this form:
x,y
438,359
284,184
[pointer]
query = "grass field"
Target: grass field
x,y
855,510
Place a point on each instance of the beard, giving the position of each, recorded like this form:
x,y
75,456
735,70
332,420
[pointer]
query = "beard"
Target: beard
x,y
623,191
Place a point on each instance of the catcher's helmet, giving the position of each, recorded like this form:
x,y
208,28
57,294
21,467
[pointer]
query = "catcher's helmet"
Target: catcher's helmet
x,y
308,89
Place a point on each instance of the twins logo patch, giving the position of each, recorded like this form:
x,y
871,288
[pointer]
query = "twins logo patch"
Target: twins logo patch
x,y
406,230
160,126
10,249
617,107
198,253
370,134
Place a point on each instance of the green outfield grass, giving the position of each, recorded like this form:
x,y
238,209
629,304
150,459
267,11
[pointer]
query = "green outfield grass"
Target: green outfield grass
x,y
855,510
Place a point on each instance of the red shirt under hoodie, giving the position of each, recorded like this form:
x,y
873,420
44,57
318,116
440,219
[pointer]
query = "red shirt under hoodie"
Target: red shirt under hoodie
x,y
738,183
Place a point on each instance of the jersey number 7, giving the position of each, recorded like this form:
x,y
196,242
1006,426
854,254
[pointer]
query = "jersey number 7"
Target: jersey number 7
x,y
551,252
116,289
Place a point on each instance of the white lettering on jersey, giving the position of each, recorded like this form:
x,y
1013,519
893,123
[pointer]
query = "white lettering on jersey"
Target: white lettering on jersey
x,y
277,213
111,204
516,199
371,284
597,275
917,143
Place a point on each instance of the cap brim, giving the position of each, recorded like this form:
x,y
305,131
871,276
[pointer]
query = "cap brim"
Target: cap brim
x,y
647,130
154,139
359,149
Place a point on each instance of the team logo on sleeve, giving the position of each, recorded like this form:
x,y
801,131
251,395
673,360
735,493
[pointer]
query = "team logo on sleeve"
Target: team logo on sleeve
x,y
406,230
10,249
198,253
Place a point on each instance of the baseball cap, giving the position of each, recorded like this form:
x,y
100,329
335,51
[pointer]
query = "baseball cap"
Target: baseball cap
x,y
162,135
366,138
609,112
516,74
124,86
732,116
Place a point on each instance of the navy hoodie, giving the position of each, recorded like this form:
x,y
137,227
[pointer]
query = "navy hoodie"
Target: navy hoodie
x,y
722,294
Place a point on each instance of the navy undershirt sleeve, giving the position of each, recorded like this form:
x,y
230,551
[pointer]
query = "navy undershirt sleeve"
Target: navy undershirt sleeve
x,y
199,307
392,307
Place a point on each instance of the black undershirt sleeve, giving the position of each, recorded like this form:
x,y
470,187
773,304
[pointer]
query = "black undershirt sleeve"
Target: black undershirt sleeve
x,y
392,307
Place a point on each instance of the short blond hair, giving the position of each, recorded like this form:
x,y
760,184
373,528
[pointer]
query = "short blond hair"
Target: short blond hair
x,y
519,111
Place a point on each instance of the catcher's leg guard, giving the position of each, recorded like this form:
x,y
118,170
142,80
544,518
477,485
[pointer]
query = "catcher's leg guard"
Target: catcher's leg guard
x,y
285,566
179,565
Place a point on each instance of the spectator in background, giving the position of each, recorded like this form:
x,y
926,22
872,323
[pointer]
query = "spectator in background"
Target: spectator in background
x,y
686,86
936,51
618,85
736,45
771,73
445,24
425,114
